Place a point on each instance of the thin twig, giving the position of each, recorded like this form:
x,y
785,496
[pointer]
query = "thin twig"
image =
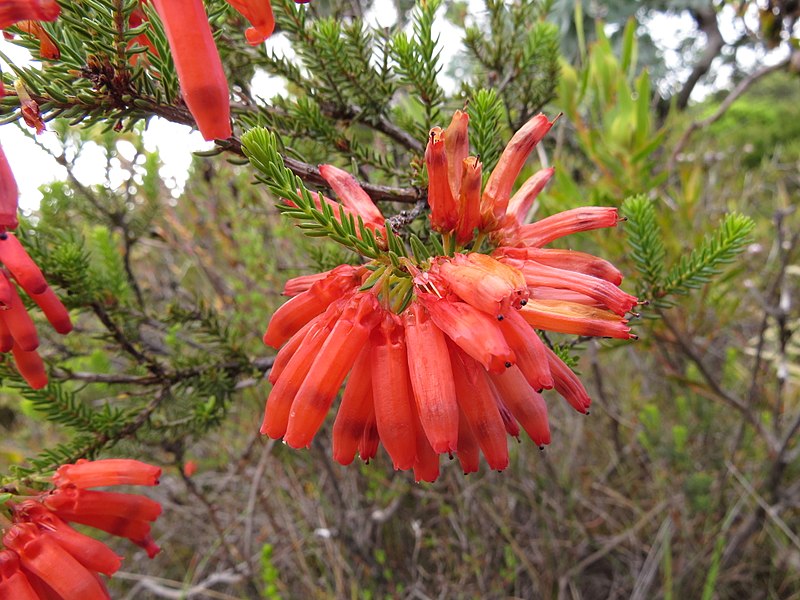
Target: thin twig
x,y
740,89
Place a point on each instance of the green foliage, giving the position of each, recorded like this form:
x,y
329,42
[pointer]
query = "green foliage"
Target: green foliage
x,y
610,110
516,39
260,146
418,61
717,249
486,113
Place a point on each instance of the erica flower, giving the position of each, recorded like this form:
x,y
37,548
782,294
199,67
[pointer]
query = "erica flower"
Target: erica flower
x,y
259,13
441,345
17,332
44,557
204,86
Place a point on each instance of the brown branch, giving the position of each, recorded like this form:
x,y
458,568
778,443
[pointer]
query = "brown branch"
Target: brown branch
x,y
740,89
310,174
707,23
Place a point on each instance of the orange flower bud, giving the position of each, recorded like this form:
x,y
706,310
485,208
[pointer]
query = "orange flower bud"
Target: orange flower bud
x,y
444,213
456,146
469,200
110,471
566,223
497,192
353,196
259,13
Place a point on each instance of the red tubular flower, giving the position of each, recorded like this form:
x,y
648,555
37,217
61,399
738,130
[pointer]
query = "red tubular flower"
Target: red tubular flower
x,y
22,267
456,146
13,11
574,318
19,322
52,563
525,404
17,331
259,13
455,364
444,213
564,223
9,194
432,380
426,463
280,399
480,410
13,582
528,349
330,367
31,366
200,73
570,260
475,332
468,450
469,200
497,192
74,504
111,471
522,201
392,392
355,412
567,383
137,18
91,553
352,196
54,310
298,311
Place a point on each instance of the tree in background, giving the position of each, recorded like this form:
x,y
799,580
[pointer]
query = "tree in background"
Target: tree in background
x,y
681,483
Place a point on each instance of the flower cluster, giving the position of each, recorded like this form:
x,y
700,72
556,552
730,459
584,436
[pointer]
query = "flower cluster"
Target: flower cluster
x,y
441,348
44,557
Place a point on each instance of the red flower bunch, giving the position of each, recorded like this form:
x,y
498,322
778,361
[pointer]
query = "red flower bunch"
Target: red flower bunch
x,y
44,557
17,331
442,350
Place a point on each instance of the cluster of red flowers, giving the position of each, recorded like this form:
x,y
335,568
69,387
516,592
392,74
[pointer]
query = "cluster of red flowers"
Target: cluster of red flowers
x,y
442,353
44,557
